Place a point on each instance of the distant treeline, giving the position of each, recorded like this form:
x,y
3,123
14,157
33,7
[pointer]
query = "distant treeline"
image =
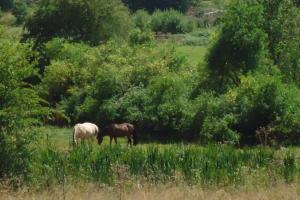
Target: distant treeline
x,y
152,5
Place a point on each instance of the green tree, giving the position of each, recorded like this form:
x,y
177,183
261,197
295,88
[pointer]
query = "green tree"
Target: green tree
x,y
283,29
91,21
253,33
240,45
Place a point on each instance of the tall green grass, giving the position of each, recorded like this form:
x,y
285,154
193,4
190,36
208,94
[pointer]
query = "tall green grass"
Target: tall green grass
x,y
211,165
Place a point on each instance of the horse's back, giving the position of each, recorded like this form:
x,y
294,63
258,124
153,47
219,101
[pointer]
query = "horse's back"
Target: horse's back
x,y
91,127
86,129
130,127
126,128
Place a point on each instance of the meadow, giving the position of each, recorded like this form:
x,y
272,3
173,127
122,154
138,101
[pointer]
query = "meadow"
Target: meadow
x,y
57,161
151,170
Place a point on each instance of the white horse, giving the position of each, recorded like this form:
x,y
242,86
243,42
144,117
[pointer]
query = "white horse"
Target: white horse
x,y
84,131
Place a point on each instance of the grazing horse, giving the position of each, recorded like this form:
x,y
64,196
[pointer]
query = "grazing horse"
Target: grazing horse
x,y
118,130
84,131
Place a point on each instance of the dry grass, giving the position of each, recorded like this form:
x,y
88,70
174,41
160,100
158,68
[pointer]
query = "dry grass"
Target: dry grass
x,y
162,192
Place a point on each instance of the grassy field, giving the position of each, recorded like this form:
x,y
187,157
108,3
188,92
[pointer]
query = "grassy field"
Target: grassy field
x,y
156,171
211,165
194,54
61,138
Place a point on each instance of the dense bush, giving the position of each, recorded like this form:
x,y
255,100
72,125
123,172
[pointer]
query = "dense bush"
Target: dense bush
x,y
59,77
110,83
260,101
171,21
168,106
20,10
142,20
167,21
138,36
90,21
20,108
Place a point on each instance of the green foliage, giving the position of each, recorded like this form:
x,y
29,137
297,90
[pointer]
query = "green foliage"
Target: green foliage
x,y
112,83
61,50
219,129
142,20
168,103
59,77
181,5
260,101
20,107
6,4
138,37
284,37
240,45
253,36
142,33
16,155
91,21
20,11
252,31
19,101
129,107
171,21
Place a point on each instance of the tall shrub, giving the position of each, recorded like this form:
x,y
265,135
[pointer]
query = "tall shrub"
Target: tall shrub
x,y
20,107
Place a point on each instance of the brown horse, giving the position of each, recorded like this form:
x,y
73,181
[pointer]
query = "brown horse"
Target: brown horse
x,y
118,130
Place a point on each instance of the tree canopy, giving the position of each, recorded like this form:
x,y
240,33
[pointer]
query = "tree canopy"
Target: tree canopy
x,y
91,21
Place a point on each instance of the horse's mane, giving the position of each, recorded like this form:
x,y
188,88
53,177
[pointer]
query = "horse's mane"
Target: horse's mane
x,y
106,130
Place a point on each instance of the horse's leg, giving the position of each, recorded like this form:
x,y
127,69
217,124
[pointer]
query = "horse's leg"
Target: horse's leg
x,y
116,140
89,140
129,140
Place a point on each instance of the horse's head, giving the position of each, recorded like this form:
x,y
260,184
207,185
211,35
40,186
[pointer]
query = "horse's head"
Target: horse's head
x,y
99,137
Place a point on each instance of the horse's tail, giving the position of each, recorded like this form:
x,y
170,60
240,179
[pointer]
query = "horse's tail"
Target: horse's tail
x,y
73,136
134,136
97,131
